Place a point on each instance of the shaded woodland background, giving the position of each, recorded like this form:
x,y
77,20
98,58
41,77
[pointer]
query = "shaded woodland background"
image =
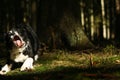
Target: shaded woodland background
x,y
65,24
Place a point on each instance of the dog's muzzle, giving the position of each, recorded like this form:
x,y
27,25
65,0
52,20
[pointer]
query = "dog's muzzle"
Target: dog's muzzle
x,y
16,39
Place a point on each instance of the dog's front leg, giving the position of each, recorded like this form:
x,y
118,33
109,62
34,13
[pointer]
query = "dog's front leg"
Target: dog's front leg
x,y
5,69
27,65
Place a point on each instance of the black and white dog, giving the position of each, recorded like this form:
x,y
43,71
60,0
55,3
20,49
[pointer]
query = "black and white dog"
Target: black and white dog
x,y
23,47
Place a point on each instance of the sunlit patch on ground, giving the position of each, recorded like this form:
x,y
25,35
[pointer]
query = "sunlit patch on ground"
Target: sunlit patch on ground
x,y
63,65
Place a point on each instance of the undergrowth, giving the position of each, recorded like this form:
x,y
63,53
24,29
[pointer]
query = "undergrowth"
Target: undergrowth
x,y
65,65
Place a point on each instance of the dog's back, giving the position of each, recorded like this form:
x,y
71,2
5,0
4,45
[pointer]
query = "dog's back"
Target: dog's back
x,y
23,46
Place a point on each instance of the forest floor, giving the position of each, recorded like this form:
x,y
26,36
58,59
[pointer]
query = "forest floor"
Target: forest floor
x,y
102,64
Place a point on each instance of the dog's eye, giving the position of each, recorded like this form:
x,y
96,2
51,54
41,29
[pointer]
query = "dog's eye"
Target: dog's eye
x,y
19,52
10,33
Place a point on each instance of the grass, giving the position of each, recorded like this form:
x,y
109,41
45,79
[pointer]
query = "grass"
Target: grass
x,y
77,65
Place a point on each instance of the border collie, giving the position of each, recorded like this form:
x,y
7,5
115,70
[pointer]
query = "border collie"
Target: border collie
x,y
23,46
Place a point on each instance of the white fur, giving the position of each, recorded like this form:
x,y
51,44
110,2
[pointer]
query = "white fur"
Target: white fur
x,y
17,54
21,58
5,69
36,57
27,65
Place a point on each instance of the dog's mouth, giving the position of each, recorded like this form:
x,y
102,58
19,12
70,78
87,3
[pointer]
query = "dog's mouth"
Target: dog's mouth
x,y
17,41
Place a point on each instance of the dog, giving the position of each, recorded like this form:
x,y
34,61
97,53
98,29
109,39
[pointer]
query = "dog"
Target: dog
x,y
23,47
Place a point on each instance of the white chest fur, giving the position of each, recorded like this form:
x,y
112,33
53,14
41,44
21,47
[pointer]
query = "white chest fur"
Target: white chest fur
x,y
16,54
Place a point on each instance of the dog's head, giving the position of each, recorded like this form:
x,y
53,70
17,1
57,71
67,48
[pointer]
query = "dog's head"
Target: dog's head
x,y
21,39
16,36
17,42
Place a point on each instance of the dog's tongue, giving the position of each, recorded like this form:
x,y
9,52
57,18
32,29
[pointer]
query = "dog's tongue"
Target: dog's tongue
x,y
18,43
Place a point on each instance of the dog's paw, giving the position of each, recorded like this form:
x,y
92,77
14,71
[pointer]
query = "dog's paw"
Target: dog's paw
x,y
5,69
27,65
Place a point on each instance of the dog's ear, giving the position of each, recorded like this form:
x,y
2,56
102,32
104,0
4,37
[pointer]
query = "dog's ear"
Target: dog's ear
x,y
7,40
5,35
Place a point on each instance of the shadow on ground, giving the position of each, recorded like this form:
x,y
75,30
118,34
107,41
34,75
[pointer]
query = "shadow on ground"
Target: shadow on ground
x,y
69,73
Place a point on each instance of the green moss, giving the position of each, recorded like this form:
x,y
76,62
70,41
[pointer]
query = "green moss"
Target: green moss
x,y
61,65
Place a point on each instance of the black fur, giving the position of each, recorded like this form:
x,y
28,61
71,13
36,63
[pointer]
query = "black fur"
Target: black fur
x,y
27,34
21,39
